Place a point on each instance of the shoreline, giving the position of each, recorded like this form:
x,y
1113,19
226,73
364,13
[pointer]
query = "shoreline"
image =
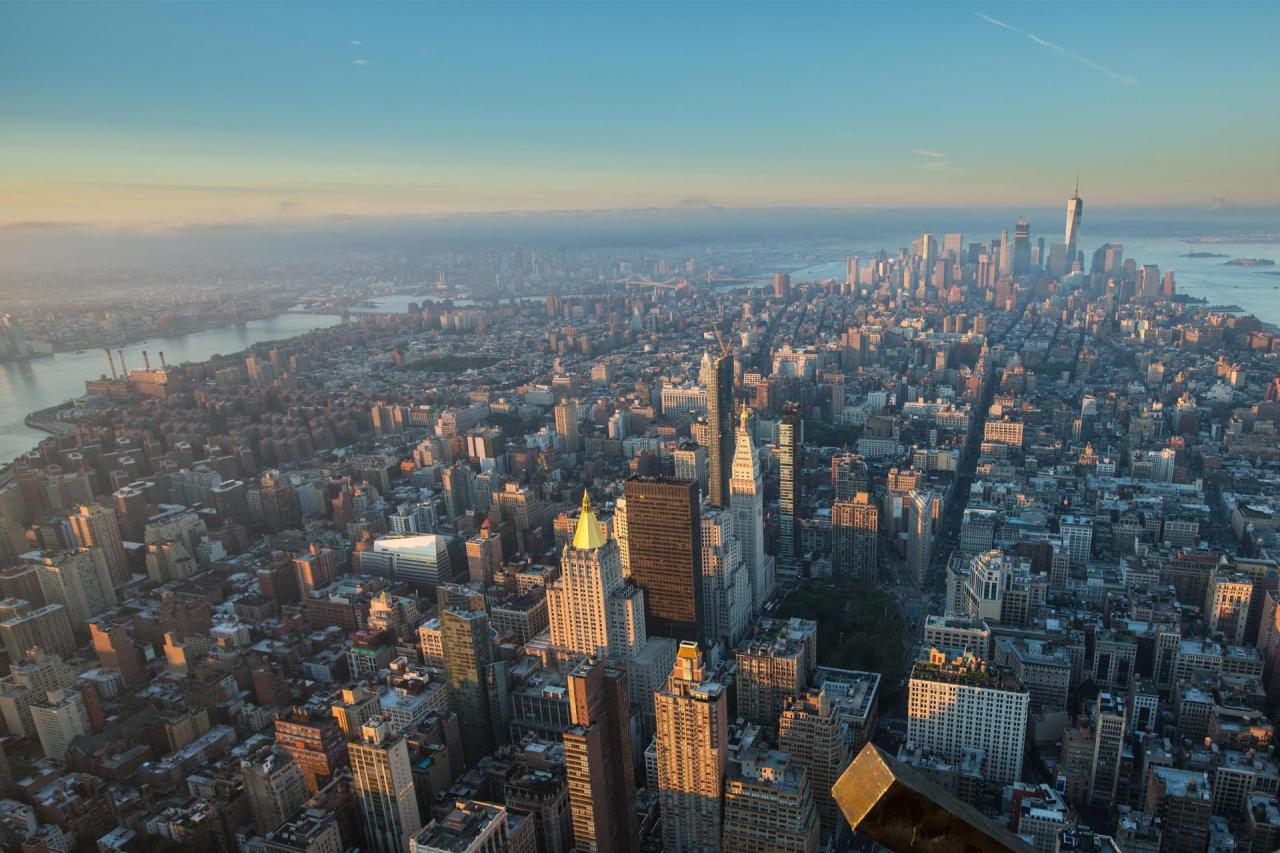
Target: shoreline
x,y
134,341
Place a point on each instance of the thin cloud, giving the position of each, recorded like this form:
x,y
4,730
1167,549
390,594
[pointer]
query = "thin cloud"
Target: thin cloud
x,y
935,165
1114,75
927,152
360,62
355,43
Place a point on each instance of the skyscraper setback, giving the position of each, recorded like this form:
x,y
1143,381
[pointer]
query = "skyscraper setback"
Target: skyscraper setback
x,y
693,751
746,502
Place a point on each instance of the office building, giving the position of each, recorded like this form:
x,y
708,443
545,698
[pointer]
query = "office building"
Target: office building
x,y
473,826
598,759
746,502
315,569
768,804
774,666
312,830
664,538
314,739
924,508
716,375
726,591
848,475
566,414
855,526
469,670
1075,211
1181,799
591,610
692,751
1022,247
384,788
959,704
790,448
811,731
275,788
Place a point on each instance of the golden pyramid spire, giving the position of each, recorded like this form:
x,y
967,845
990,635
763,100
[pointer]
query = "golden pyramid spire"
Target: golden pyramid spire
x,y
589,534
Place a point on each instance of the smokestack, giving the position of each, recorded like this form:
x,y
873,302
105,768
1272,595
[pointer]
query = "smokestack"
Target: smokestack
x,y
111,360
162,364
146,362
123,369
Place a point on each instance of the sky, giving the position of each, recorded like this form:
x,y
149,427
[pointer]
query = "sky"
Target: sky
x,y
161,115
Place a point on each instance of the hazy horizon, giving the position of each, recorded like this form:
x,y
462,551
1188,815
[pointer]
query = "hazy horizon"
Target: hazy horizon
x,y
175,114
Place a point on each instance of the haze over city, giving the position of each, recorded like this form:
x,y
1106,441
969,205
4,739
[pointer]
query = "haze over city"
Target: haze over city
x,y
639,427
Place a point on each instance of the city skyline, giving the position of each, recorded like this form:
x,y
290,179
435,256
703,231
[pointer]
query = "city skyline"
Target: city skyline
x,y
288,113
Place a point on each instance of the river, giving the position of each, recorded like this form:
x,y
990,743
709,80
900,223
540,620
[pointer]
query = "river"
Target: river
x,y
29,386
43,382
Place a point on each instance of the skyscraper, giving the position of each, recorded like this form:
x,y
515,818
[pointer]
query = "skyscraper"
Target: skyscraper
x,y
746,502
855,523
468,660
567,424
960,704
591,610
726,591
716,375
1022,247
790,442
597,751
924,508
79,580
810,730
1075,210
775,665
928,251
693,748
384,787
95,526
1006,254
664,537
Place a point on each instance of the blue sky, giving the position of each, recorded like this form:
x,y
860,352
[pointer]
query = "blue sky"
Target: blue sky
x,y
208,112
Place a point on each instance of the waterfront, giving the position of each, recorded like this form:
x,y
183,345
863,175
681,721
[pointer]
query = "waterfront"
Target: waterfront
x,y
1256,290
28,386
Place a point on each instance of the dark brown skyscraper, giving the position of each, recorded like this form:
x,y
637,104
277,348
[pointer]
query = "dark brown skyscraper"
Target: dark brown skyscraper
x,y
664,539
717,378
598,766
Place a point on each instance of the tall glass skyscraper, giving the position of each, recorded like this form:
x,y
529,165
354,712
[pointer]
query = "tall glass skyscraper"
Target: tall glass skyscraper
x,y
790,442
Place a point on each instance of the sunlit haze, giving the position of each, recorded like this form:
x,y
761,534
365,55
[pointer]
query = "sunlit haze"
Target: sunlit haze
x,y
162,114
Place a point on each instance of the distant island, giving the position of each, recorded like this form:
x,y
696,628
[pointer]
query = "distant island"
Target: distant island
x,y
1251,262
1205,255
